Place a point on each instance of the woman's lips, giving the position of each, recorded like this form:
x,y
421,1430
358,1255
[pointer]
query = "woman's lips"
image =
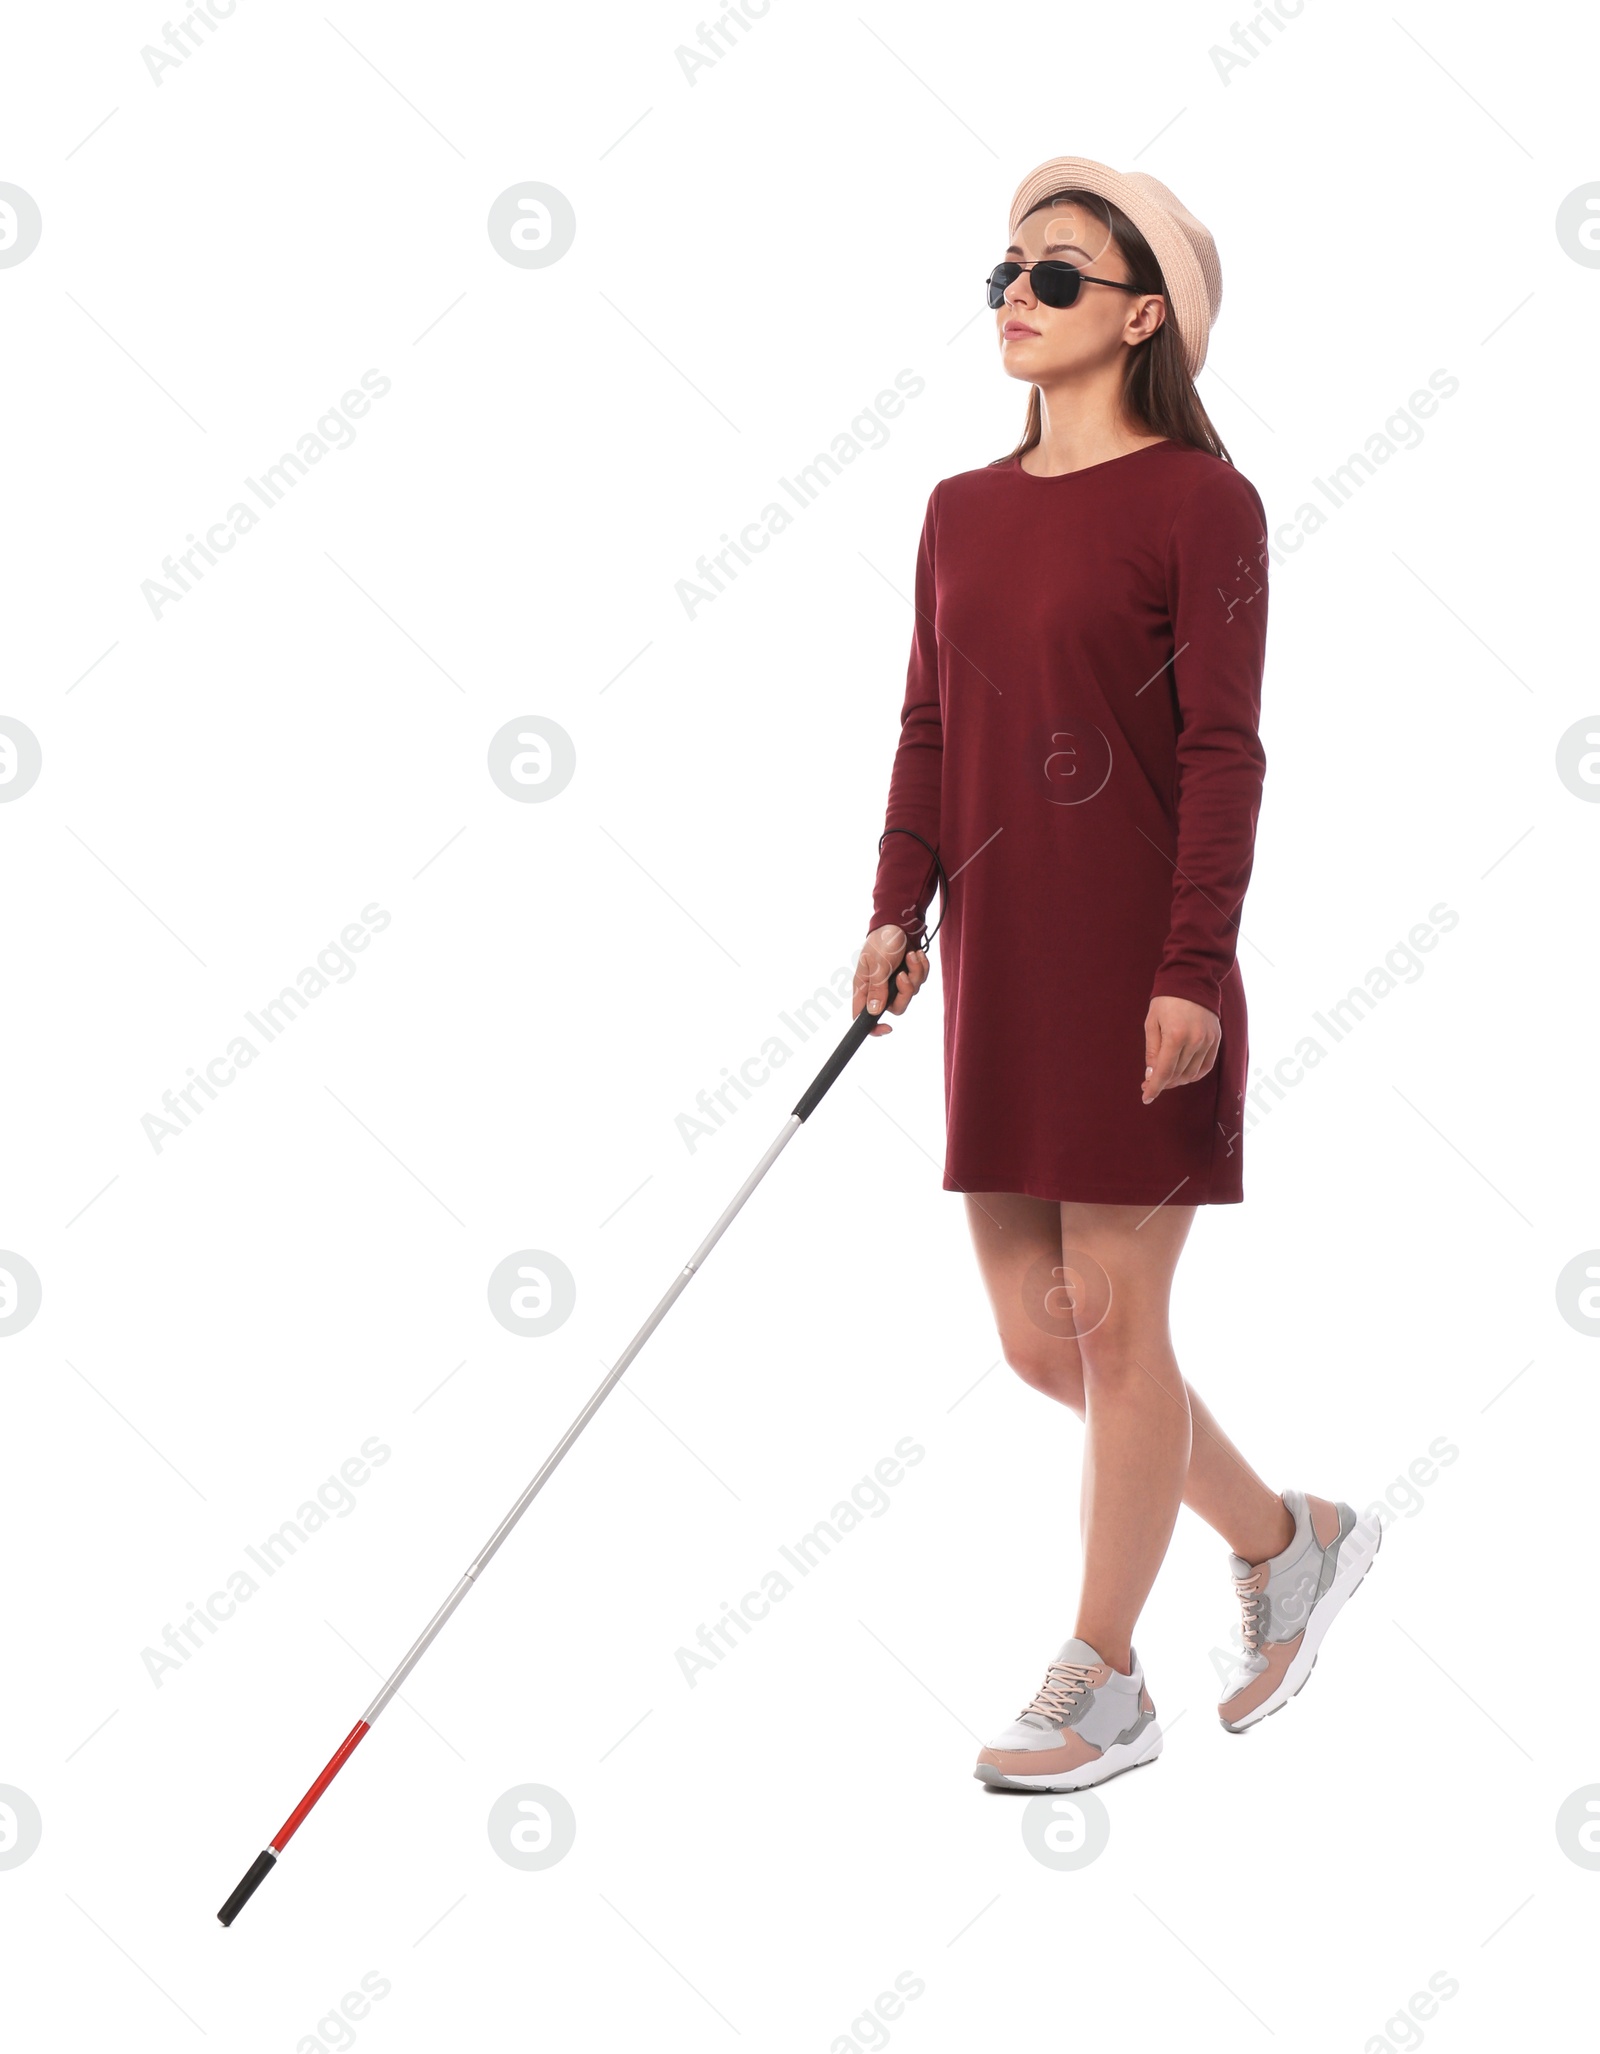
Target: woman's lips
x,y
1017,328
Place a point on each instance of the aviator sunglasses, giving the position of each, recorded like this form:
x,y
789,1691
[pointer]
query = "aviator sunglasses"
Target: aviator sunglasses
x,y
1054,284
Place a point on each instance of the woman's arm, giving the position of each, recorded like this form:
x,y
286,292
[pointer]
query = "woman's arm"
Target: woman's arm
x,y
1217,597
1217,593
904,886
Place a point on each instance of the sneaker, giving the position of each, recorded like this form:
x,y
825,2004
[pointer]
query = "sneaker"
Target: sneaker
x,y
1290,1601
1088,1722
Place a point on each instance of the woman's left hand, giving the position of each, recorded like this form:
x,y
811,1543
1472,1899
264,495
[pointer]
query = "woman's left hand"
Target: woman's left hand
x,y
1181,1041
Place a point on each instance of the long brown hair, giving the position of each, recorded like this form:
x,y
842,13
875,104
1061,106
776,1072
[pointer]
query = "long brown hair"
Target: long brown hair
x,y
1157,389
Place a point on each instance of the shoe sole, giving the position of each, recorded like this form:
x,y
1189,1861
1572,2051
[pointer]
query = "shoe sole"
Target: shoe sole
x,y
1116,1761
1298,1673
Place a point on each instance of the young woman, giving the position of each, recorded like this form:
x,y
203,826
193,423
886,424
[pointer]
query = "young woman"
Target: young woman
x,y
1079,750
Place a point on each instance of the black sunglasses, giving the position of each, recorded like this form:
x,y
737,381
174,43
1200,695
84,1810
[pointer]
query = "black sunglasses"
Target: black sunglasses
x,y
1054,284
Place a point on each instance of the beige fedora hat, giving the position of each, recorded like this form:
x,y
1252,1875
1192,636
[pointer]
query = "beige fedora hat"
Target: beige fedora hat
x,y
1183,246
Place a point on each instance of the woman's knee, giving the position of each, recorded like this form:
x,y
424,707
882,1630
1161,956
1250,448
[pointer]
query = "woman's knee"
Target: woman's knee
x,y
1116,1360
1048,1366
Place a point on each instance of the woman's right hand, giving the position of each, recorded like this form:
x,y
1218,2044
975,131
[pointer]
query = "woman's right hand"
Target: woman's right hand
x,y
880,953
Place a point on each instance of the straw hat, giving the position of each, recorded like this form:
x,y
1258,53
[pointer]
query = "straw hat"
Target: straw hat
x,y
1182,245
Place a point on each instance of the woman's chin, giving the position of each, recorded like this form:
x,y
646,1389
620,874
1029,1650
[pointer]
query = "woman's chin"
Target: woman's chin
x,y
1018,360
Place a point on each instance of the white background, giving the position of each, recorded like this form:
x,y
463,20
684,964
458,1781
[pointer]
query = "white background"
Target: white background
x,y
224,788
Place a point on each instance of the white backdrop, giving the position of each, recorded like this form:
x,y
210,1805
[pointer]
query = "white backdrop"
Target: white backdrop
x,y
240,1294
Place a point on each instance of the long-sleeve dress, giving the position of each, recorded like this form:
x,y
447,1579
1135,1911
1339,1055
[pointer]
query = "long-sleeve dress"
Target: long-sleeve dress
x,y
1078,740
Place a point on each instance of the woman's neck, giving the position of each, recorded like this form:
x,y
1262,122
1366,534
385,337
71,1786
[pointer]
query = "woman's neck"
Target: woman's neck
x,y
1071,442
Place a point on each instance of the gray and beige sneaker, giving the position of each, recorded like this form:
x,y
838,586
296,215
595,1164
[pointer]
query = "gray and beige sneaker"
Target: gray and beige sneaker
x,y
1290,1601
1088,1722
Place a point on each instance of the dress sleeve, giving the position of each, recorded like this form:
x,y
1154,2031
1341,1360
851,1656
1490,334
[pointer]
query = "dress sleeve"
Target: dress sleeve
x,y
1217,596
905,882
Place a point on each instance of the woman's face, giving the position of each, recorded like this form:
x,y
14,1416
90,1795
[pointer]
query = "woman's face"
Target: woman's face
x,y
1041,344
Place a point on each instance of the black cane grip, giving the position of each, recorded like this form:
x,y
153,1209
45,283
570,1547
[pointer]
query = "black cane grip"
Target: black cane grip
x,y
253,1878
860,1027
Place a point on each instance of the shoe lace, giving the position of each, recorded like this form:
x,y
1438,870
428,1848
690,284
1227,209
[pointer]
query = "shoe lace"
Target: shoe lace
x,y
1251,1602
1064,1684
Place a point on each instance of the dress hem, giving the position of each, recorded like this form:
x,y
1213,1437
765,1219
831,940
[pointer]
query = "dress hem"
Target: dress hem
x,y
1029,1188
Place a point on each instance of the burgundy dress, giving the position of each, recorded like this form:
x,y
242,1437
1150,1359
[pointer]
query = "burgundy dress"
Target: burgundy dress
x,y
1078,741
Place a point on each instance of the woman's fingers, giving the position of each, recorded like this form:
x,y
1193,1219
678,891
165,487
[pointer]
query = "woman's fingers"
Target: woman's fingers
x,y
1181,1040
882,950
872,971
1197,1061
912,982
1193,1061
880,953
1160,1072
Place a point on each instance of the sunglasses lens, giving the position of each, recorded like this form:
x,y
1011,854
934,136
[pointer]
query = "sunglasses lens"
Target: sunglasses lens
x,y
1055,285
999,278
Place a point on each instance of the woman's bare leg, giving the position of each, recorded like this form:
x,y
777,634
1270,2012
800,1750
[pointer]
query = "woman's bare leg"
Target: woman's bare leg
x,y
1080,1296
